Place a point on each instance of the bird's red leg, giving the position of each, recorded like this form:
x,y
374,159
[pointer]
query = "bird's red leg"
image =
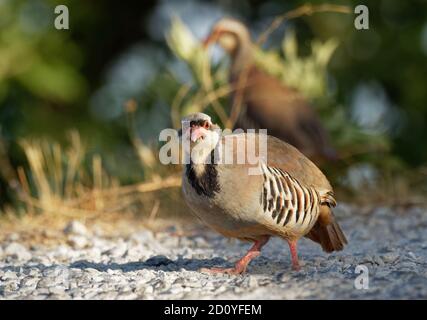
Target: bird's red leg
x,y
242,264
294,254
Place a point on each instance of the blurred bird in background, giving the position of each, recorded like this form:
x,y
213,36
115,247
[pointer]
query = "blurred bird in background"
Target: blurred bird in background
x,y
260,101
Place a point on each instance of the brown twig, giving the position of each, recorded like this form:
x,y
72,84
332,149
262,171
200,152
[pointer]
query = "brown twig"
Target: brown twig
x,y
170,182
216,94
154,211
306,9
25,187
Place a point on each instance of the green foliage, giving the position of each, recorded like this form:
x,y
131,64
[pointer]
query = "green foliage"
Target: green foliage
x,y
36,55
201,92
308,74
187,48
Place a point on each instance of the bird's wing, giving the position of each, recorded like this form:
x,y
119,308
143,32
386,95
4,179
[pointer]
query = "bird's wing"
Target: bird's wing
x,y
279,154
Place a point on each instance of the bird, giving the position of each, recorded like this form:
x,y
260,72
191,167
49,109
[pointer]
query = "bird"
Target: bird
x,y
264,101
287,196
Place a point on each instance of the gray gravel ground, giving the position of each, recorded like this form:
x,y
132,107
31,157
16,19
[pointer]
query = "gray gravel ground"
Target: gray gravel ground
x,y
392,246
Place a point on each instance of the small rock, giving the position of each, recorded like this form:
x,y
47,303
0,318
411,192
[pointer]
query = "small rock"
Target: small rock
x,y
149,290
283,277
9,275
408,264
75,228
201,242
127,296
77,242
98,231
390,257
17,251
378,261
33,272
13,237
412,255
11,287
29,282
57,291
107,295
382,273
174,291
238,290
252,282
143,236
75,292
367,259
92,271
117,251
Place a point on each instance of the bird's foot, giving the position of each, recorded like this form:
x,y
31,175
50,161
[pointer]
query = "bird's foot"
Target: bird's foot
x,y
296,266
239,268
242,264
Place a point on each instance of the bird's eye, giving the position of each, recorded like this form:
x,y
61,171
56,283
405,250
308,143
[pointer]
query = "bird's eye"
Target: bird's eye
x,y
206,125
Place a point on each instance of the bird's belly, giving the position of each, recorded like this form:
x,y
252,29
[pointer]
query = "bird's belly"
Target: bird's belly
x,y
224,220
228,223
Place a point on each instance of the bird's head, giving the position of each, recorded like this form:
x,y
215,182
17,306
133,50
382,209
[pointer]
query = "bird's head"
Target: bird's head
x,y
198,128
202,135
230,35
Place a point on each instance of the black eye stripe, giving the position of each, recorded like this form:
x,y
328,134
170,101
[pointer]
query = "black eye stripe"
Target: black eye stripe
x,y
199,123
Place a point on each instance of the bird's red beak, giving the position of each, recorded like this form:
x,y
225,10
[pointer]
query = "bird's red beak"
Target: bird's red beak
x,y
197,133
211,38
207,42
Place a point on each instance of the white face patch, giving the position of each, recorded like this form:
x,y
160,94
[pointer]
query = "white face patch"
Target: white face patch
x,y
203,147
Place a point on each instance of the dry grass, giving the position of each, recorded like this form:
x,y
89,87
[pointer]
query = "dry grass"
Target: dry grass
x,y
58,186
57,182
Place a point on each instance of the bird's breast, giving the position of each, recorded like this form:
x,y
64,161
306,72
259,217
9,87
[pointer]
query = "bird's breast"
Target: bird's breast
x,y
226,212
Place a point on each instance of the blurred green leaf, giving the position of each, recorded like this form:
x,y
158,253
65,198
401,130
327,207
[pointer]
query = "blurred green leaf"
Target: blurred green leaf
x,y
57,82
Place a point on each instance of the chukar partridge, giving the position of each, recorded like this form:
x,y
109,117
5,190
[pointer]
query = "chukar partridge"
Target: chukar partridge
x,y
264,101
289,197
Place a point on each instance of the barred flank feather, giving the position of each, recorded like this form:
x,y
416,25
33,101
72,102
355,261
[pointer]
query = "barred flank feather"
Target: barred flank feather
x,y
287,201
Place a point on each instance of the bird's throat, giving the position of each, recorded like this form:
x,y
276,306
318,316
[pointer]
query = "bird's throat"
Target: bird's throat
x,y
203,177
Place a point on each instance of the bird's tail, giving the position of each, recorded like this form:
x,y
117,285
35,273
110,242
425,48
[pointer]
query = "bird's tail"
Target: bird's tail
x,y
329,236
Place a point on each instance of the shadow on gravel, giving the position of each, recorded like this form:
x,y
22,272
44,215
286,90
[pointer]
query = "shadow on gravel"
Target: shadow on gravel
x,y
261,266
154,263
